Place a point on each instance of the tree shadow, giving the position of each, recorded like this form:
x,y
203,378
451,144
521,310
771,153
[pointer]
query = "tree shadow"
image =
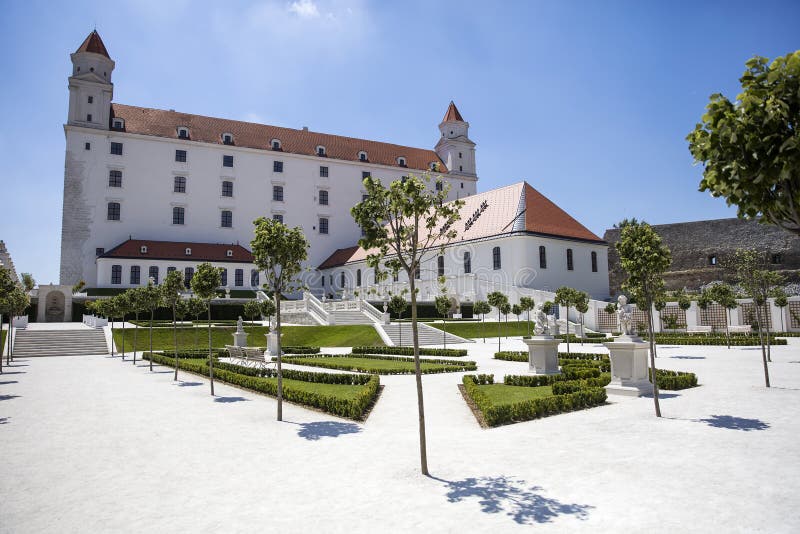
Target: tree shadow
x,y
4,420
661,395
8,397
229,399
522,503
13,372
688,357
734,423
183,384
8,382
317,430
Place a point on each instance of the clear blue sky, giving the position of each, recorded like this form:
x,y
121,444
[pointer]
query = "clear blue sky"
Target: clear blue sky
x,y
588,101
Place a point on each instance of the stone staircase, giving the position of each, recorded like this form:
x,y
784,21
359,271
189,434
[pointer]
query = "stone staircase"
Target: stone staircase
x,y
427,335
35,343
350,317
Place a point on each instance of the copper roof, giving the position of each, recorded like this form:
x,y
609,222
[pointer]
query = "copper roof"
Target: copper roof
x,y
176,250
452,113
161,123
511,209
93,43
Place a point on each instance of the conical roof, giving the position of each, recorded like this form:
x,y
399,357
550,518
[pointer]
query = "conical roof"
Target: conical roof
x,y
93,43
452,114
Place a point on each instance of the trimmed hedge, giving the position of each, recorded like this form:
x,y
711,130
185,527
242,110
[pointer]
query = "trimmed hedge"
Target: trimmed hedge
x,y
409,351
569,373
495,415
673,380
300,350
193,354
351,408
511,356
736,341
445,366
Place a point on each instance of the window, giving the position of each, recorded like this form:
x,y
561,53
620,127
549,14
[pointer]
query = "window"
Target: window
x,y
277,166
113,211
365,174
440,266
223,277
277,193
188,274
542,257
143,249
170,269
227,139
323,198
462,185
153,273
183,133
180,156
417,273
90,99
227,161
323,172
395,276
238,277
403,179
321,151
323,225
594,261
278,217
570,265
253,278
118,124
188,251
116,274
226,219
777,259
439,185
178,215
467,263
276,144
87,146
459,155
496,264
114,178
88,117
99,251
362,156
136,275
229,253
460,168
116,149
179,185
712,260
227,188
401,161
358,277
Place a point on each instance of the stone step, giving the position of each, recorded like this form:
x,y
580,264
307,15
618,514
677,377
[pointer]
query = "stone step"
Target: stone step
x,y
427,335
42,343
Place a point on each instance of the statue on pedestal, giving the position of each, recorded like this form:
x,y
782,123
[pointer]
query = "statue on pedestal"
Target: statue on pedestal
x,y
624,315
540,326
239,325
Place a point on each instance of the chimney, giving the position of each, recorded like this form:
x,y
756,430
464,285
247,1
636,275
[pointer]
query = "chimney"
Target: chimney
x,y
305,128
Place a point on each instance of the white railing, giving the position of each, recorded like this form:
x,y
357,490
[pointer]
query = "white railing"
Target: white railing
x,y
372,312
316,309
94,321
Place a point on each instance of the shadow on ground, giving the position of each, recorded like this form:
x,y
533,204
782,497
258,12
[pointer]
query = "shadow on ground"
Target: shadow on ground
x,y
522,503
228,399
8,382
661,395
8,397
734,423
317,430
3,420
688,357
187,384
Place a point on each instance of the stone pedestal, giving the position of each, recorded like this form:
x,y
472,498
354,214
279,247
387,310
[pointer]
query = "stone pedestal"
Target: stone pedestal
x,y
386,318
629,367
272,344
240,339
543,355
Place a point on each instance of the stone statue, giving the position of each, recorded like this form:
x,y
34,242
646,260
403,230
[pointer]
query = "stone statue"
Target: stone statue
x,y
540,326
239,325
624,315
227,292
385,307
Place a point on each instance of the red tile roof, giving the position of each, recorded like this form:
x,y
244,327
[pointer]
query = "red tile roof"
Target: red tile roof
x,y
93,44
157,122
176,250
452,114
495,213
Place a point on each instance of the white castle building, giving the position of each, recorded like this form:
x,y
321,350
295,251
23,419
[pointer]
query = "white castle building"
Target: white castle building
x,y
147,191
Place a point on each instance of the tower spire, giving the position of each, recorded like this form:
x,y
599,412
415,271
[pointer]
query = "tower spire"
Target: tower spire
x,y
452,114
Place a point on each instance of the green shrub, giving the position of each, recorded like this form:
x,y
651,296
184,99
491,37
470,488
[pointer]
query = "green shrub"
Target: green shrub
x,y
409,351
703,339
361,363
673,380
300,350
511,356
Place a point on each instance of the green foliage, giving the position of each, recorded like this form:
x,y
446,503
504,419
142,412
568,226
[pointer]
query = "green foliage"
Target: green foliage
x,y
442,303
470,329
735,340
645,258
171,288
547,307
481,307
704,300
781,300
384,365
724,295
516,310
511,356
684,302
28,282
497,299
674,380
206,280
397,304
409,351
750,148
259,308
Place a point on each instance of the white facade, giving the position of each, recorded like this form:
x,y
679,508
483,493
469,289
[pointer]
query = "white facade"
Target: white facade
x,y
128,276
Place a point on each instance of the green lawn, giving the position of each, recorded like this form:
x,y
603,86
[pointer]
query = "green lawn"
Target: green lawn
x,y
317,336
503,394
380,365
478,330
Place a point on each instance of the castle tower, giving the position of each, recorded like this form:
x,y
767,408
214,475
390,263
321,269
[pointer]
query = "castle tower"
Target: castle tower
x,y
90,87
454,147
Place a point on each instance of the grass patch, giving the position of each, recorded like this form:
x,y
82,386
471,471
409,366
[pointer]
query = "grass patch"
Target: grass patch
x,y
190,338
503,394
383,365
472,330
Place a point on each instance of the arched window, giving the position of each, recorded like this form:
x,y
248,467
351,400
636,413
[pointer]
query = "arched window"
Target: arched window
x,y
570,265
118,124
467,263
253,277
321,151
594,261
362,156
227,139
341,279
496,263
440,266
542,257
275,144
183,132
358,277
401,161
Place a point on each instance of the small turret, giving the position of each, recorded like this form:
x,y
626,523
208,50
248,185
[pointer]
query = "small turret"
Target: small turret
x,y
90,87
454,146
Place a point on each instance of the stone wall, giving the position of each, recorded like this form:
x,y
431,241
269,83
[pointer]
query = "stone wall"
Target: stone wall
x,y
693,244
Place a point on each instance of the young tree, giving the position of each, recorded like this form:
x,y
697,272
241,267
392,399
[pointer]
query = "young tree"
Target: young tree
x,y
704,300
781,301
279,252
582,306
516,309
18,300
505,309
120,306
750,148
526,304
196,308
397,304
497,300
138,304
28,282
611,309
7,286
567,297
645,258
684,303
151,301
442,303
481,307
171,289
409,223
204,284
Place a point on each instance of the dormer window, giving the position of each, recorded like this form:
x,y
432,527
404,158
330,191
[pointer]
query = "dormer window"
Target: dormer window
x,y
143,249
321,151
183,132
227,139
188,251
362,156
401,161
276,144
229,253
434,166
118,124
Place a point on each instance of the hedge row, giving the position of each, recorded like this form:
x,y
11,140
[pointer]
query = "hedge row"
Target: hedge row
x,y
737,341
445,366
674,380
351,408
293,374
495,415
409,351
603,365
564,387
300,350
569,373
511,356
193,354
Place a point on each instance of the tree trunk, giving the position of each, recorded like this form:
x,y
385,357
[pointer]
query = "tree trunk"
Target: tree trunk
x,y
123,337
112,337
761,340
566,320
210,357
653,378
280,351
135,337
151,339
483,326
400,327
423,452
727,327
444,333
499,334
175,339
583,330
2,344
529,322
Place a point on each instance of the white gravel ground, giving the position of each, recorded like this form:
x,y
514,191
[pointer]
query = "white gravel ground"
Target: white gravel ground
x,y
93,444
